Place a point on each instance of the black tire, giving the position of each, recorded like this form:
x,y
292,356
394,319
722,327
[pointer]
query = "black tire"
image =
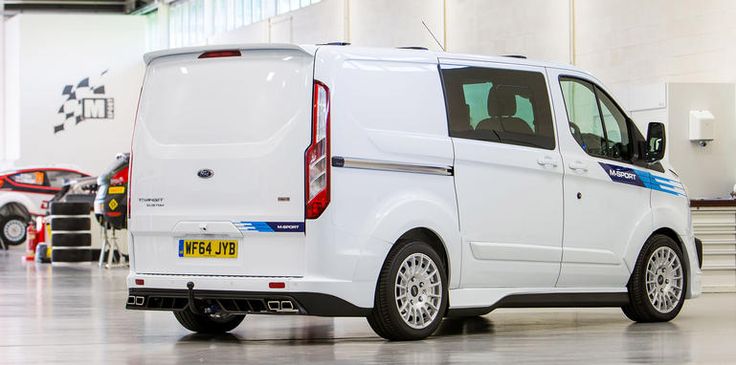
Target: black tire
x,y
640,307
69,208
71,255
13,229
208,324
71,239
70,224
385,318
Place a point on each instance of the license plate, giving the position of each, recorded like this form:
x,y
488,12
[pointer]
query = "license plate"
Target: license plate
x,y
220,249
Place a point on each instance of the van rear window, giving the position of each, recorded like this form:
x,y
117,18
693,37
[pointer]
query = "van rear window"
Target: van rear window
x,y
498,105
229,100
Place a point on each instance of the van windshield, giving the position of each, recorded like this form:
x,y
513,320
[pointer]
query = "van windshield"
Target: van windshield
x,y
227,100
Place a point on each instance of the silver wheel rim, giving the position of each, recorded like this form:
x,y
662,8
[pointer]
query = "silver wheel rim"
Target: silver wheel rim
x,y
664,280
418,291
14,230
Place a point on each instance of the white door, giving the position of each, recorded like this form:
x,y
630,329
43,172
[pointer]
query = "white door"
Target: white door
x,y
508,174
219,154
606,204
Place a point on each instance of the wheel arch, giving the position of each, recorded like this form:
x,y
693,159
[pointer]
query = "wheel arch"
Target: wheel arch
x,y
669,232
430,237
687,253
15,208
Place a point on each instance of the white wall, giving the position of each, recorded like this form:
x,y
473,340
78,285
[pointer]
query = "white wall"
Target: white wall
x,y
253,33
390,23
319,23
2,81
633,41
639,47
710,170
11,100
376,23
536,29
54,50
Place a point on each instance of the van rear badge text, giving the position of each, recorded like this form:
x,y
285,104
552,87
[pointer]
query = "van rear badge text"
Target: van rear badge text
x,y
205,173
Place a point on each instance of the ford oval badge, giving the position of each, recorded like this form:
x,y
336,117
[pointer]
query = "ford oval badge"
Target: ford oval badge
x,y
205,173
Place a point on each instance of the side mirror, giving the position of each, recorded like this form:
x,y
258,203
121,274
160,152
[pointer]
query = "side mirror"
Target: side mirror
x,y
656,142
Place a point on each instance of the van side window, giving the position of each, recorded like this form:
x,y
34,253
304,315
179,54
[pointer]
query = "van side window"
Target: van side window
x,y
596,123
617,130
497,105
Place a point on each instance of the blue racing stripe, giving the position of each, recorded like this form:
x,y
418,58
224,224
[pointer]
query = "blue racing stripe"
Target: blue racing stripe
x,y
269,227
645,179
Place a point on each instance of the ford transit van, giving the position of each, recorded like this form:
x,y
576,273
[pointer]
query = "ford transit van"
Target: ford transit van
x,y
400,185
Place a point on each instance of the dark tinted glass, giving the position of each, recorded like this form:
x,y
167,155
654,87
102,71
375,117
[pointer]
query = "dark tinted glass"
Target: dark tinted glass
x,y
506,106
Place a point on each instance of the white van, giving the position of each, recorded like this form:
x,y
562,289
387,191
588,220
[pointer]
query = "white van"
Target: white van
x,y
401,185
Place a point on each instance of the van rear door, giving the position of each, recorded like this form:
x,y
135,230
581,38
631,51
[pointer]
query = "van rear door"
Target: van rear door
x,y
218,154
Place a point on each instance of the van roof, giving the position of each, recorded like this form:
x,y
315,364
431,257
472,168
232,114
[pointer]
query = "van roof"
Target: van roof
x,y
364,52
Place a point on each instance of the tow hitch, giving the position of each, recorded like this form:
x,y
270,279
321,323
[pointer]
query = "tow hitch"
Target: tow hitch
x,y
192,305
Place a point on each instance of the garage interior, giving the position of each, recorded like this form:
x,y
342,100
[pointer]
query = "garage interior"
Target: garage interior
x,y
667,61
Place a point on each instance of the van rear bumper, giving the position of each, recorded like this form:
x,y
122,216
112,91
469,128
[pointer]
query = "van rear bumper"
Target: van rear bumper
x,y
317,296
242,302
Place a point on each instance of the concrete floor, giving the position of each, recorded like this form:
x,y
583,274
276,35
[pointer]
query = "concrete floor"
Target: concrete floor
x,y
74,314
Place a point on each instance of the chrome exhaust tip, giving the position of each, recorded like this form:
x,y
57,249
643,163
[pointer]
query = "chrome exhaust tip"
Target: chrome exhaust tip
x,y
287,306
274,305
135,300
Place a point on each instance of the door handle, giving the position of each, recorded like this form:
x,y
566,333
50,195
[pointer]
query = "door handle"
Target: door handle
x,y
578,166
547,161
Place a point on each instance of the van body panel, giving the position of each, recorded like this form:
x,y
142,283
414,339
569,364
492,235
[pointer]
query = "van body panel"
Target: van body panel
x,y
246,121
390,109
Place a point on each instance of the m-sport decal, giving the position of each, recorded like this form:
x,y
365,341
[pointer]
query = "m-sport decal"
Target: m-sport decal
x,y
270,226
626,175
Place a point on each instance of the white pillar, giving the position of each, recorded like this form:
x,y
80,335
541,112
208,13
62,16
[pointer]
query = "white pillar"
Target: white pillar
x,y
209,19
162,23
3,136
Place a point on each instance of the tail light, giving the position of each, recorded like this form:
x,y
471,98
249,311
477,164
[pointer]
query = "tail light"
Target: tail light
x,y
218,54
317,156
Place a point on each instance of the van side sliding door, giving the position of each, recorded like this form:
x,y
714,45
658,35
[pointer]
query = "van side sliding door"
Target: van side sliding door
x,y
508,173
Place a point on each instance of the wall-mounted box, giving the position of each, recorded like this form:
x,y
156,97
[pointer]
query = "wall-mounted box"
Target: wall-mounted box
x,y
702,126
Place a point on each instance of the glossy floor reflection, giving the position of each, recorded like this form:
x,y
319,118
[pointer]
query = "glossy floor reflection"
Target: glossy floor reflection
x,y
74,314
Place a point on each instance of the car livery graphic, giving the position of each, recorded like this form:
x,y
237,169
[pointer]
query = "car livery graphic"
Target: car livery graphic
x,y
268,227
626,175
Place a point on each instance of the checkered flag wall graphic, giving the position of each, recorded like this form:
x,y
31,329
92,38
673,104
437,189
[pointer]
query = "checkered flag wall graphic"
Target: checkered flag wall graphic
x,y
72,108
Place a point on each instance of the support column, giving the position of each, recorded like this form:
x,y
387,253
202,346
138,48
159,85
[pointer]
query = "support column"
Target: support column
x,y
162,23
3,134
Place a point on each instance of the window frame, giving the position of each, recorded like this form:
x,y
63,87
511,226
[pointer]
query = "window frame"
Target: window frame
x,y
634,149
501,67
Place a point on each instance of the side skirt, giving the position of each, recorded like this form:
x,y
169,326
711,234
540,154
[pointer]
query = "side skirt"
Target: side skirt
x,y
547,300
